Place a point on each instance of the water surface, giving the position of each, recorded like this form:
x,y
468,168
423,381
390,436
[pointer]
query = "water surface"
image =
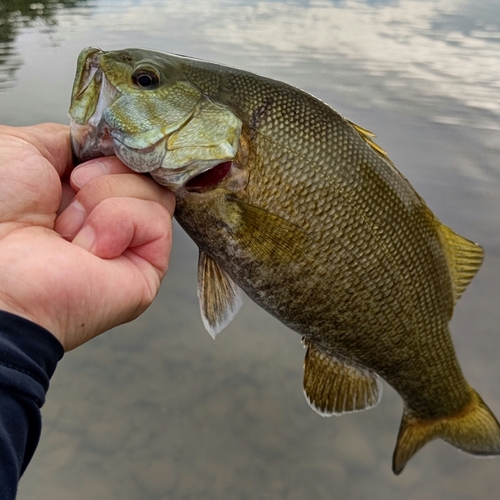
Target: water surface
x,y
156,409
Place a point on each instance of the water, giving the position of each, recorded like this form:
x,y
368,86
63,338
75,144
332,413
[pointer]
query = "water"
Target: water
x,y
156,409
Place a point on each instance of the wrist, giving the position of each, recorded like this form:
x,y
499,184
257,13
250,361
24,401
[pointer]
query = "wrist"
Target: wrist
x,y
8,307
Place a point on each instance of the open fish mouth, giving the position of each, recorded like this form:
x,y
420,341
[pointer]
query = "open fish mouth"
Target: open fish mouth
x,y
170,129
88,143
90,136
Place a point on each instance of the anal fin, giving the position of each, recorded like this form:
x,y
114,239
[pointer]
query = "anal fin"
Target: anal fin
x,y
220,297
333,387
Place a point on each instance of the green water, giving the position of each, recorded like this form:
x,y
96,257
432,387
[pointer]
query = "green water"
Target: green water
x,y
156,409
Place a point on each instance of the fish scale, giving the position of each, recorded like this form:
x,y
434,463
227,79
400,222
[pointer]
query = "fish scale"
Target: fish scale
x,y
311,220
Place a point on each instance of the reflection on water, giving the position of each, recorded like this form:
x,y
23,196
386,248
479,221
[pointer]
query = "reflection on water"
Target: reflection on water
x,y
413,49
156,409
432,51
16,15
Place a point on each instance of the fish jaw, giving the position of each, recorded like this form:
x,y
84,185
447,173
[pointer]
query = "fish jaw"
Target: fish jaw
x,y
91,95
172,131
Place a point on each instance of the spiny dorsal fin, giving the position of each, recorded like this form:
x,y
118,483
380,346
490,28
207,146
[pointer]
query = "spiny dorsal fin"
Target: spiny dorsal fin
x,y
268,237
333,387
464,259
220,297
368,136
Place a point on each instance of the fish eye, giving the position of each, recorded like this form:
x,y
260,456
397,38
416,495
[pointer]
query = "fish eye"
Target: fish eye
x,y
147,79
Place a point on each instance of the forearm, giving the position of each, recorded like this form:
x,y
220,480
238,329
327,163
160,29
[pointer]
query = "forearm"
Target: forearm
x,y
28,358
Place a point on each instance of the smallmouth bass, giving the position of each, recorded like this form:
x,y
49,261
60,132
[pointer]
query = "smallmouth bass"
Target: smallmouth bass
x,y
297,206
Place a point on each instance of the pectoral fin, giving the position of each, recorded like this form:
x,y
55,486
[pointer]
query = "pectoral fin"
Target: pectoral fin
x,y
220,297
333,387
266,236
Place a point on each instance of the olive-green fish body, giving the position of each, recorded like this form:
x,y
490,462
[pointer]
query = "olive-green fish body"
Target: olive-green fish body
x,y
297,206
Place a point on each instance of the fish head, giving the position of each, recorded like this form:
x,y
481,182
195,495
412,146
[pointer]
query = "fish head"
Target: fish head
x,y
138,105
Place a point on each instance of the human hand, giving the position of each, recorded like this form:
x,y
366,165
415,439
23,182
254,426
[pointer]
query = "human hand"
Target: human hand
x,y
96,265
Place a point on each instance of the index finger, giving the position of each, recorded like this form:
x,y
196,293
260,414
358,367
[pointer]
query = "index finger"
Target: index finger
x,y
51,140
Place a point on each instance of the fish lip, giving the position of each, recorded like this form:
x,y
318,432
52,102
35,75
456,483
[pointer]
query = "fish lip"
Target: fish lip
x,y
88,60
92,138
108,94
91,67
89,142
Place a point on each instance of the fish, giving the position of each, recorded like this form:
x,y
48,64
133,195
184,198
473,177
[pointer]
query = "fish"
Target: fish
x,y
298,207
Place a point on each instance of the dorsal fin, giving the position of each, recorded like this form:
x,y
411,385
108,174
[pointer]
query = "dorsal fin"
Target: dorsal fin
x,y
333,387
464,259
368,136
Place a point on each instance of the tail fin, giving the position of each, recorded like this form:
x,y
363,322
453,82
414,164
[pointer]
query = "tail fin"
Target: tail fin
x,y
474,429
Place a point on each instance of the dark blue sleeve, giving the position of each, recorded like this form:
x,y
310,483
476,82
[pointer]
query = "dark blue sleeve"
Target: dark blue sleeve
x,y
28,358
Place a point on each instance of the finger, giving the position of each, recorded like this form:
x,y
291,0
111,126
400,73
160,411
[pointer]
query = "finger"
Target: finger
x,y
94,168
67,197
141,226
51,139
110,186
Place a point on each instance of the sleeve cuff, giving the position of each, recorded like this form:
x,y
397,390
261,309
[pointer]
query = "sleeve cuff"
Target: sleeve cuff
x,y
28,356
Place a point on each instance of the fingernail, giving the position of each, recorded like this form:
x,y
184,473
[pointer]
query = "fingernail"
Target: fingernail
x,y
85,238
71,220
84,173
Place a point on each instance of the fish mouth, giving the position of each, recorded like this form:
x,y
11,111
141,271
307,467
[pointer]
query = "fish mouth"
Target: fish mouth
x,y
87,66
92,95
